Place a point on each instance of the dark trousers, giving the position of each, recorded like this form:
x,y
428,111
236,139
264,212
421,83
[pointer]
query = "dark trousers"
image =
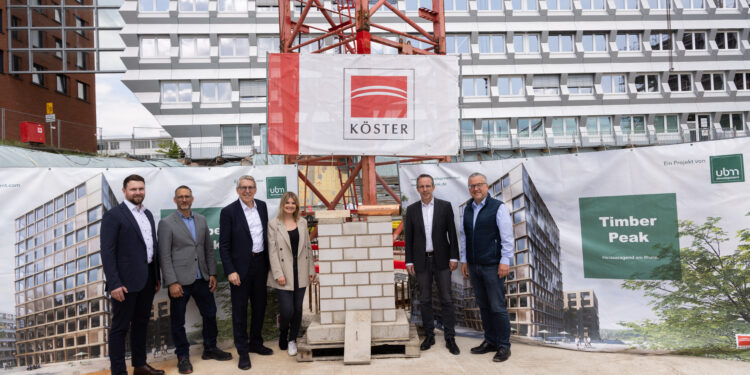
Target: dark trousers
x,y
131,314
204,299
443,280
290,309
252,288
489,289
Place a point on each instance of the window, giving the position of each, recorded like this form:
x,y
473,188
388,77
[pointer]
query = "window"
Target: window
x,y
467,127
562,126
647,83
58,46
452,4
416,4
657,4
665,124
559,4
742,81
476,86
694,41
581,84
546,85
600,125
613,84
727,40
81,59
560,43
154,5
79,24
14,22
216,92
680,82
252,90
495,127
660,41
487,5
193,5
58,15
176,92
510,86
83,91
632,124
37,38
232,5
731,121
62,84
16,65
628,42
713,81
530,128
37,78
523,4
730,4
626,4
237,135
491,43
456,44
526,43
155,47
592,4
692,4
267,45
195,47
2,62
234,47
594,42
116,145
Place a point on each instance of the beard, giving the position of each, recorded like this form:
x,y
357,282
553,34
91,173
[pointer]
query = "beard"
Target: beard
x,y
136,199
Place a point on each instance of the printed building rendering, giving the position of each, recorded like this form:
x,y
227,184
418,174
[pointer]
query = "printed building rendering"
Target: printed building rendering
x,y
582,314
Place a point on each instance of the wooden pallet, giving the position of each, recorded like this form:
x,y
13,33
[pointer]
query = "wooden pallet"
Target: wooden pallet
x,y
380,349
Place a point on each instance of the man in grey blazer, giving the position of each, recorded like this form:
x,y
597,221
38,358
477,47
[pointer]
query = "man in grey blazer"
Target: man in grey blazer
x,y
189,269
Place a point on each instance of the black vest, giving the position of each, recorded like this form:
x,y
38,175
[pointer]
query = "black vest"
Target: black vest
x,y
483,244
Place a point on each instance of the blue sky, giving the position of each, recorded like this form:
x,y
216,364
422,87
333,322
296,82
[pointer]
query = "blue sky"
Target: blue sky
x,y
118,111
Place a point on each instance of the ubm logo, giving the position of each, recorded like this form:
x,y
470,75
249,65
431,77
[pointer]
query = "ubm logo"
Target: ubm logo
x,y
275,187
727,168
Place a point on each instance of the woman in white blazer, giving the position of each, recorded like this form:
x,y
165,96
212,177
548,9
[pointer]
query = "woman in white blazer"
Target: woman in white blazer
x,y
292,267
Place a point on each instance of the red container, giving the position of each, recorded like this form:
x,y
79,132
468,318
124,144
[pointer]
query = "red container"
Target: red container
x,y
32,132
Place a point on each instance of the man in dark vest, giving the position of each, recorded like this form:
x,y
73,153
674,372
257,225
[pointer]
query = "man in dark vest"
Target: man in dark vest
x,y
486,238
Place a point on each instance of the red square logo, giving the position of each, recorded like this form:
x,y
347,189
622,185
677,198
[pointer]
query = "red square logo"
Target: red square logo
x,y
379,96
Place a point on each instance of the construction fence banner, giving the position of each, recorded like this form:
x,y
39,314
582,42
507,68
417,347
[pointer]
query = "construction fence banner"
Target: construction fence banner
x,y
645,248
50,232
363,104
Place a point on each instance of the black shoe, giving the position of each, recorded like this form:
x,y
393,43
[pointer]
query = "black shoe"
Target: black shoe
x,y
502,354
283,344
484,347
244,363
184,366
452,347
429,341
217,354
260,349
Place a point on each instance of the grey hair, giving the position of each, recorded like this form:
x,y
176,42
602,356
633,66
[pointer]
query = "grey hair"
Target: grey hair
x,y
245,177
475,174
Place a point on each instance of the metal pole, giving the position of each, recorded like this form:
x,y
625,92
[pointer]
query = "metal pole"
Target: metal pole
x,y
59,132
2,119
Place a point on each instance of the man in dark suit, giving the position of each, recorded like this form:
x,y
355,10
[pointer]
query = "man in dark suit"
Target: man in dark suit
x,y
131,267
243,246
189,268
432,253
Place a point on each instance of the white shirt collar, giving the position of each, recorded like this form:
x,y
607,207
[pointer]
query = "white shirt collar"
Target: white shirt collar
x,y
474,203
432,203
245,207
133,207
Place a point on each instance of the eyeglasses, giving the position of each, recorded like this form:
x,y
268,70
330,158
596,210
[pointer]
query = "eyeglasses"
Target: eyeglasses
x,y
246,188
477,186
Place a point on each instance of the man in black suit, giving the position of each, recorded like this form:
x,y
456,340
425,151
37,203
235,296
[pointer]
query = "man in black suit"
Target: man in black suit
x,y
432,253
243,246
131,265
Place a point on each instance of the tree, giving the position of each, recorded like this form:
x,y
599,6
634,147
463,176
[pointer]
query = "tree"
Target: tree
x,y
710,302
170,149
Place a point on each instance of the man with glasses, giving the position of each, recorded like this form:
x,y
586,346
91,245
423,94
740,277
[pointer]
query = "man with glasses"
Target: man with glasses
x,y
243,247
486,238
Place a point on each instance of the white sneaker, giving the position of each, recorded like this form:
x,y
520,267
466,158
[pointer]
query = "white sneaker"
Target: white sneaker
x,y
292,349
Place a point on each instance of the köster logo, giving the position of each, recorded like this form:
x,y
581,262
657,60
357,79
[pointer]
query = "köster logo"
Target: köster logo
x,y
379,97
727,168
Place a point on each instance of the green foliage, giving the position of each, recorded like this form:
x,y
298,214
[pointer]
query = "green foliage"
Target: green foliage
x,y
170,149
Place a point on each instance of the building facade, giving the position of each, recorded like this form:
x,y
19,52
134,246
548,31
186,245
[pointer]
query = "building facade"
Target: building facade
x,y
62,312
7,340
537,75
139,148
582,314
25,95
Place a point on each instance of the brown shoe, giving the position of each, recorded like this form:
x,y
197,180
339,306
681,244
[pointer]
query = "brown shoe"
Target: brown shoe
x,y
147,370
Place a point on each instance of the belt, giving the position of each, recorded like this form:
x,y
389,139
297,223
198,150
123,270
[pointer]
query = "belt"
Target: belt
x,y
430,254
256,254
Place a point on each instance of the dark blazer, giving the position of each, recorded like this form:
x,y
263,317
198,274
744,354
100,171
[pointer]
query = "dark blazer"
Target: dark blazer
x,y
444,240
124,257
180,255
235,242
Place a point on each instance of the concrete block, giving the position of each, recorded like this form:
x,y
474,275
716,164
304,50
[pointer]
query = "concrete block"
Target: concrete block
x,y
344,291
397,329
377,315
326,318
387,265
342,241
368,241
385,252
356,279
389,315
385,227
388,290
368,265
331,279
357,337
324,267
330,254
386,240
370,291
339,317
380,278
329,229
357,304
355,227
324,242
333,215
331,305
379,219
319,333
355,253
325,292
341,267
382,302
